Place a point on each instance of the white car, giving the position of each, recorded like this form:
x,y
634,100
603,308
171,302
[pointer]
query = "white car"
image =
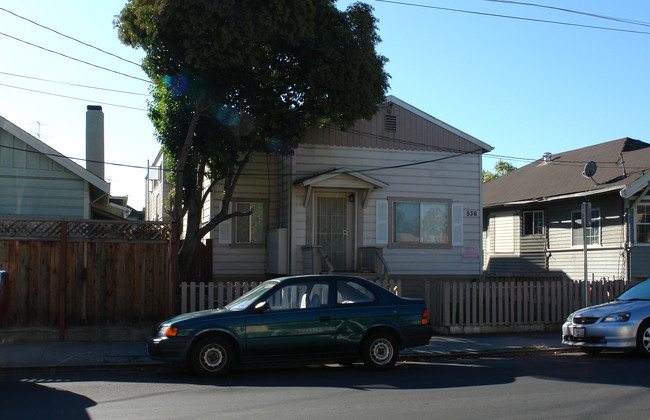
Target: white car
x,y
623,323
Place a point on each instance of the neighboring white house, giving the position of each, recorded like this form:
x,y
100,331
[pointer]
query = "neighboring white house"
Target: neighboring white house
x,y
158,189
400,193
36,181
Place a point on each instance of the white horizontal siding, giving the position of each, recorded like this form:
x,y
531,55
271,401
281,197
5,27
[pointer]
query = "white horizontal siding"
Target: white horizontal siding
x,y
455,178
258,182
600,263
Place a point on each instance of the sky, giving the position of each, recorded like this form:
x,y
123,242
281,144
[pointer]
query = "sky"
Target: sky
x,y
500,71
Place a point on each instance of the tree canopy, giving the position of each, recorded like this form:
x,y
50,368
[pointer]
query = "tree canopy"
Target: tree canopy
x,y
500,168
231,77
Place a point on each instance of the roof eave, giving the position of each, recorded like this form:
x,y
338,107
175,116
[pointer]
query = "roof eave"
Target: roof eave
x,y
554,198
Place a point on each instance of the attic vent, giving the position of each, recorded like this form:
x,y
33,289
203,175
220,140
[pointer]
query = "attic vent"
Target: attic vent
x,y
390,123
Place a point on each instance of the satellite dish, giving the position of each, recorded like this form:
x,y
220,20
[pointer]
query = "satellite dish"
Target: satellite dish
x,y
590,171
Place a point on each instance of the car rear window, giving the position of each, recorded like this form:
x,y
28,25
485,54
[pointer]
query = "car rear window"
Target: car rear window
x,y
350,292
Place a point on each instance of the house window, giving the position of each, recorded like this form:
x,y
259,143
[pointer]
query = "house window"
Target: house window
x,y
643,223
593,231
534,222
249,229
421,223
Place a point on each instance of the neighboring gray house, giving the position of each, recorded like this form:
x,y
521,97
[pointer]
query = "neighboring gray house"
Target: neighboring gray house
x,y
401,192
532,216
36,181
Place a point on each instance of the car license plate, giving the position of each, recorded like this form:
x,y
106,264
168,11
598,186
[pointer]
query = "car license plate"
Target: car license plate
x,y
579,332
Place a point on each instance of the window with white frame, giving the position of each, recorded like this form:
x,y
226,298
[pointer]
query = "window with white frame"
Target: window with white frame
x,y
593,231
534,222
421,223
249,229
643,223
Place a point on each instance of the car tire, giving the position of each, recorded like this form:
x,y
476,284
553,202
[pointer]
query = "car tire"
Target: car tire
x,y
643,339
592,351
212,356
379,351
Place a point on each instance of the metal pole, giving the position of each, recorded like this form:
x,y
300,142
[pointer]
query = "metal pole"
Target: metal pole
x,y
586,219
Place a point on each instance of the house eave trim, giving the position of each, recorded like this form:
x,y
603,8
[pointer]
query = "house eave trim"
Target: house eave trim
x,y
636,186
43,148
554,198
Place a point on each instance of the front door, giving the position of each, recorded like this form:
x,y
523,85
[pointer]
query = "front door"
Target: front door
x,y
335,228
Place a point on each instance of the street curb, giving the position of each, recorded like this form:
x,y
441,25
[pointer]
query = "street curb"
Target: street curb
x,y
151,364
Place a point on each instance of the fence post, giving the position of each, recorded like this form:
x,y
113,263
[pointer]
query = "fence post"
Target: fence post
x,y
63,274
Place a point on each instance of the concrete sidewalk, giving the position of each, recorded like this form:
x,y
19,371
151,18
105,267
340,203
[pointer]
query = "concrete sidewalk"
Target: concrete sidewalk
x,y
68,354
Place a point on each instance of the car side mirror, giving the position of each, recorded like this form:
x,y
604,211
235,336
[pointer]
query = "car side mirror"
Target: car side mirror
x,y
261,307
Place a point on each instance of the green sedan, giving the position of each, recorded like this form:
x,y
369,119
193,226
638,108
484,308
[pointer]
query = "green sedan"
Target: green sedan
x,y
320,317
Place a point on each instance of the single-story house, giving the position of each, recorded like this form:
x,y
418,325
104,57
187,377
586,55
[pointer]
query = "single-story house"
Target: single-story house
x,y
533,215
36,181
396,195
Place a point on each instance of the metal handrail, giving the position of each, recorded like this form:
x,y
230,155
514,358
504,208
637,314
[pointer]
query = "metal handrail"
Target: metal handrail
x,y
330,267
383,263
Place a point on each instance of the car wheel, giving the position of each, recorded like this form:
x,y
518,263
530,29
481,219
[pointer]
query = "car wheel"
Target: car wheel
x,y
643,339
212,356
592,351
379,351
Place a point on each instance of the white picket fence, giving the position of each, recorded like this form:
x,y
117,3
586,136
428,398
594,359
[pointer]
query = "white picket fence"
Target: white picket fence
x,y
201,296
461,307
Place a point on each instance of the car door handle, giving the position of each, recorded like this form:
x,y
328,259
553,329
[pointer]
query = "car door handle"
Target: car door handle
x,y
325,319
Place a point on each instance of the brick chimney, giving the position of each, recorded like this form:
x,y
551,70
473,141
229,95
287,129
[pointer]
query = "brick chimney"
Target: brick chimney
x,y
95,140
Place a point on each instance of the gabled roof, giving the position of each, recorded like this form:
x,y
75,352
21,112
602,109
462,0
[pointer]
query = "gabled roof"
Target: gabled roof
x,y
621,166
484,146
397,126
337,172
57,157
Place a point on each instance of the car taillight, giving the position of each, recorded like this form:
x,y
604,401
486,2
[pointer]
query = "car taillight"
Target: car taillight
x,y
425,317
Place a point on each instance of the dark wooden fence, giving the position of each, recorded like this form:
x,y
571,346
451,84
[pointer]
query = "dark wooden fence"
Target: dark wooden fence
x,y
75,273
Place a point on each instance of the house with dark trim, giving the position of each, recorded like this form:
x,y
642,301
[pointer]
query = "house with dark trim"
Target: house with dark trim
x,y
532,217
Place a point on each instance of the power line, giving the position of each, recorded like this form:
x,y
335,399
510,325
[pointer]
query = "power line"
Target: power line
x,y
473,12
75,59
72,97
615,19
69,37
73,84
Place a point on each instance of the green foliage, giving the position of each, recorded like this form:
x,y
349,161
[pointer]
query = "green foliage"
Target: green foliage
x,y
231,77
500,168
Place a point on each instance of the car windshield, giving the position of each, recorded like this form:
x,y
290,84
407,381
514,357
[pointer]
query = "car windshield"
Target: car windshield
x,y
639,292
247,299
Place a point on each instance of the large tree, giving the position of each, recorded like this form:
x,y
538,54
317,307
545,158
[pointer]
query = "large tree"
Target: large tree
x,y
232,77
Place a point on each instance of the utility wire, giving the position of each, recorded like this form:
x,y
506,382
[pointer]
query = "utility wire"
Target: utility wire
x,y
73,84
577,12
72,97
69,37
73,58
472,12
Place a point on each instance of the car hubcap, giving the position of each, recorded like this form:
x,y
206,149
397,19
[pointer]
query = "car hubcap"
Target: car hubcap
x,y
213,357
646,340
381,351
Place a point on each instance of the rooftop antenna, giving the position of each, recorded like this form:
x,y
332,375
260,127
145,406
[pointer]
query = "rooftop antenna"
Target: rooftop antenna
x,y
590,171
623,165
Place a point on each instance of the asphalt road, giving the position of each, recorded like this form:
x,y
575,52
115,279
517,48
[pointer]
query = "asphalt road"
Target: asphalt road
x,y
569,386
